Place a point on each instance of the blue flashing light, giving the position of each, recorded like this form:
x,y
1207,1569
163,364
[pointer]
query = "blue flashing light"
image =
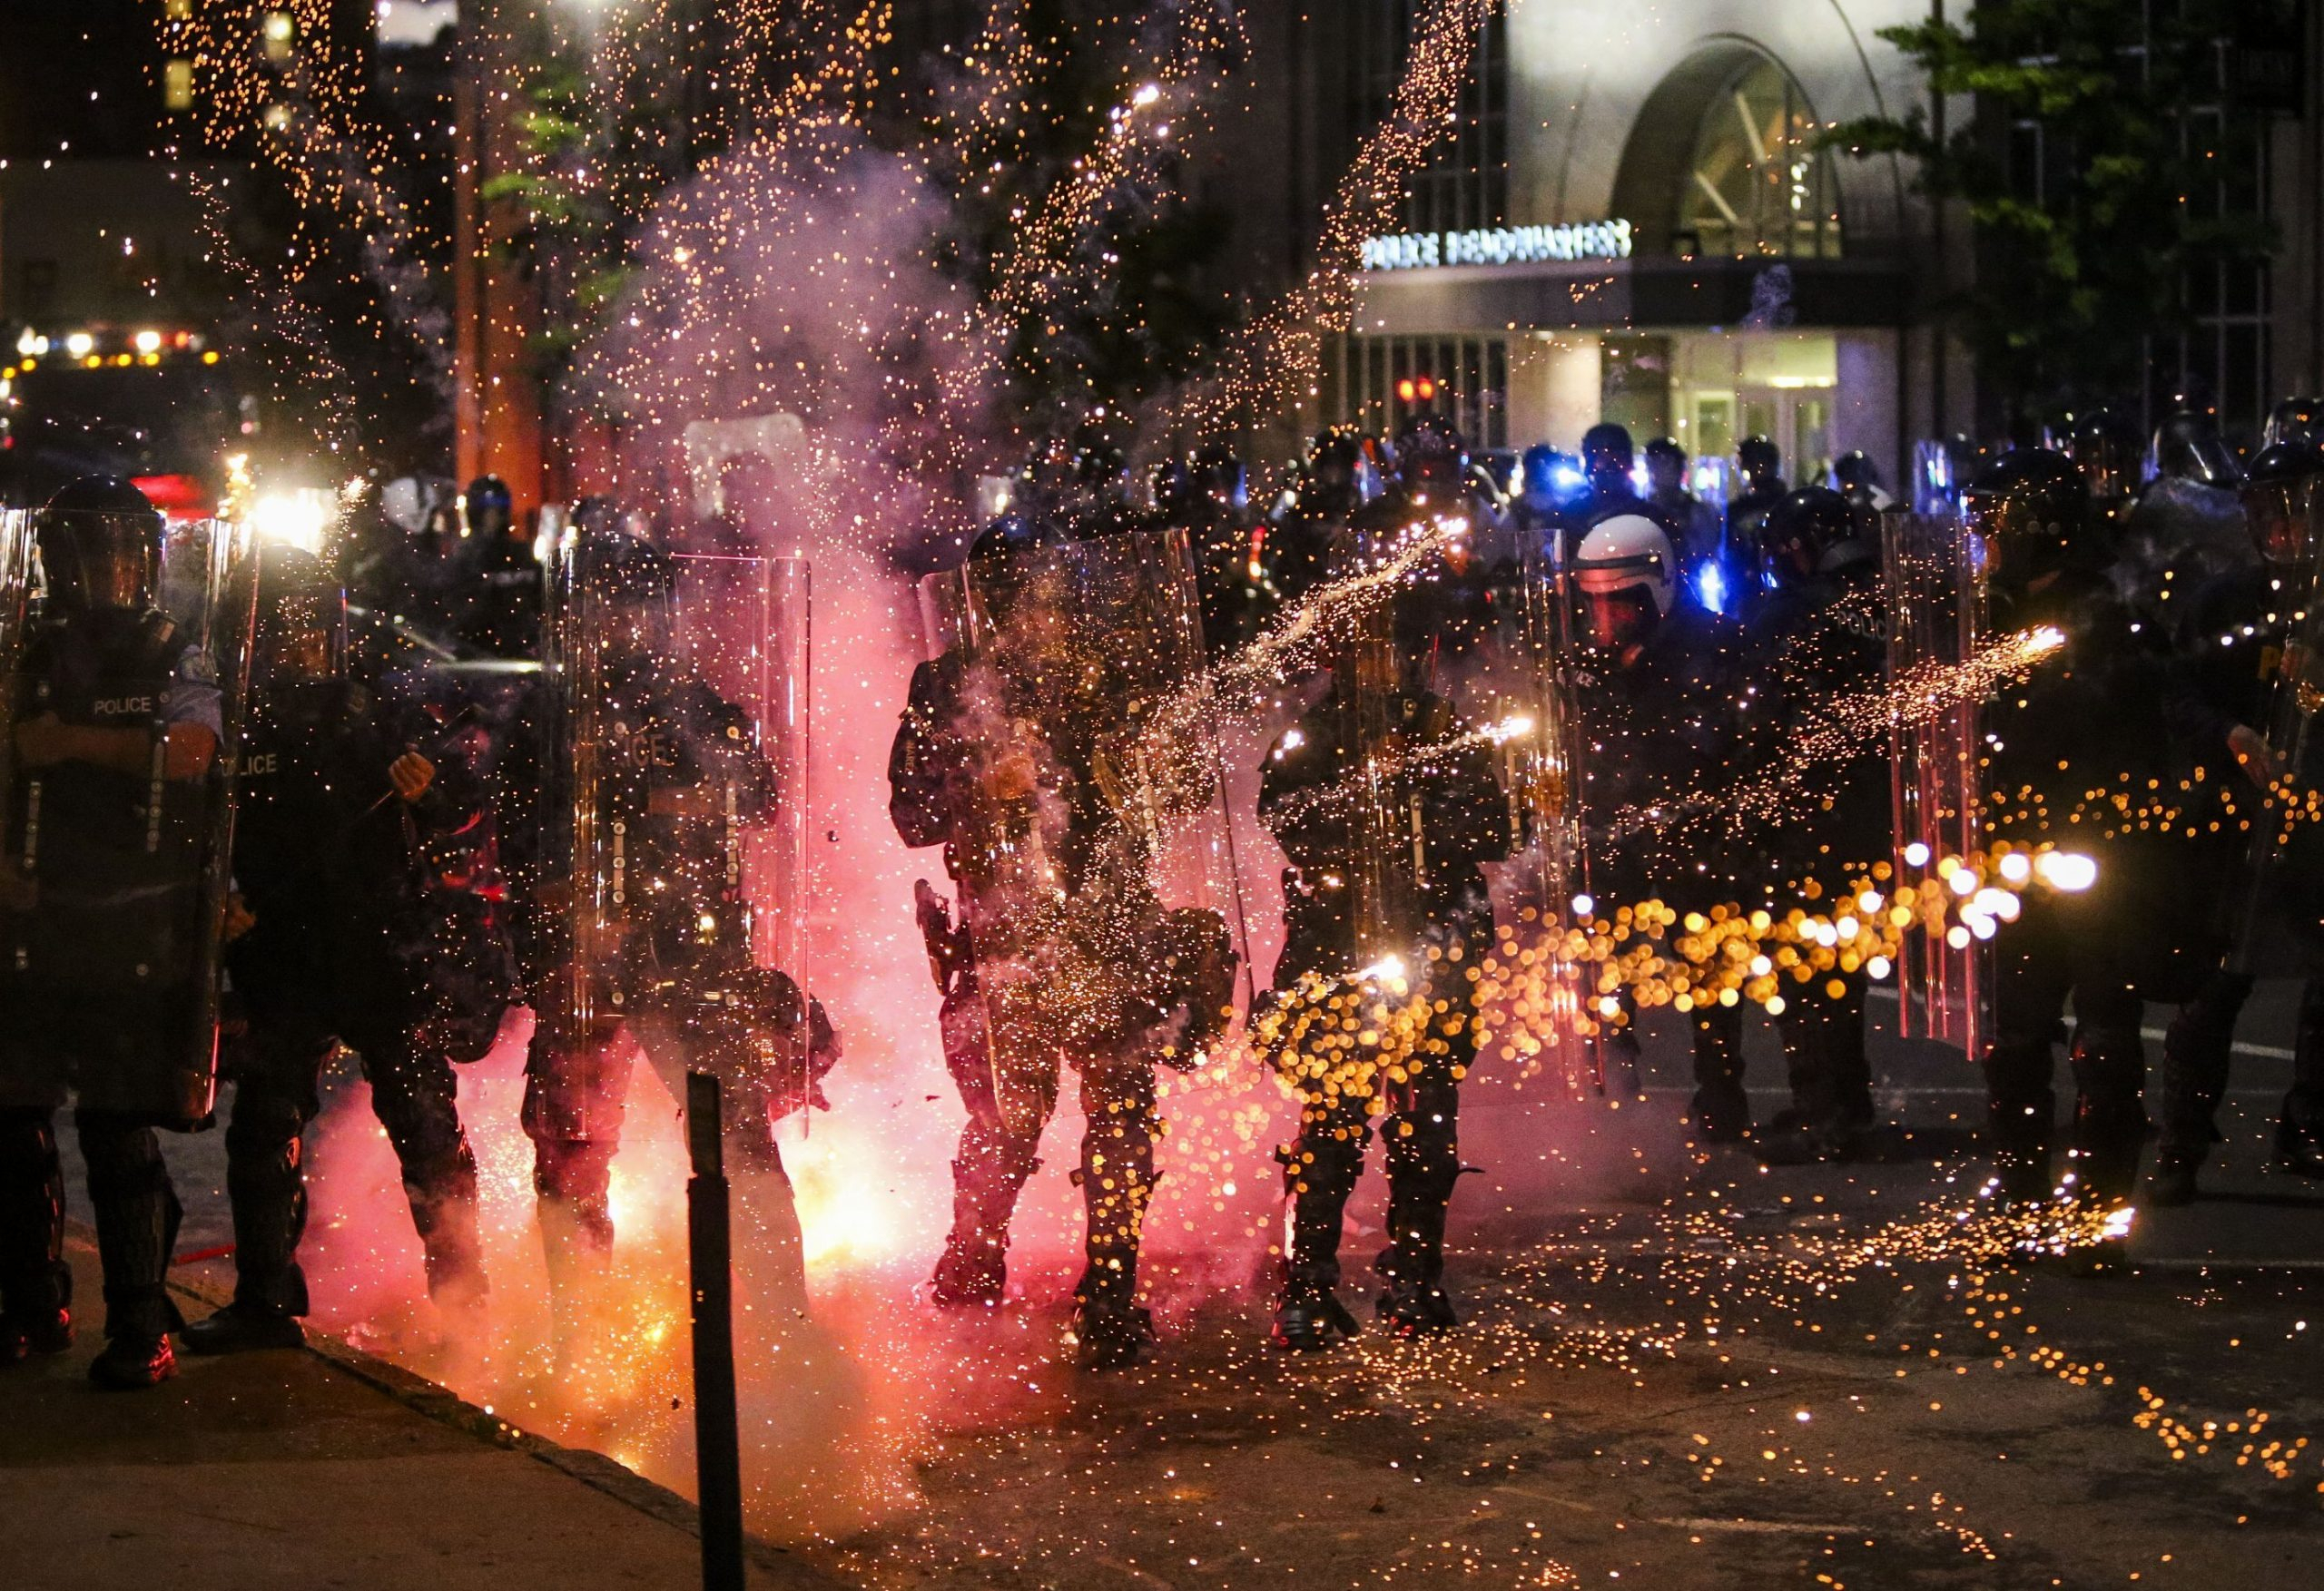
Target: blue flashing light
x,y
1711,587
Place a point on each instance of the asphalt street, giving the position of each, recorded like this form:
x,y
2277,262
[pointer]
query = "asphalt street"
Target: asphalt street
x,y
1679,1370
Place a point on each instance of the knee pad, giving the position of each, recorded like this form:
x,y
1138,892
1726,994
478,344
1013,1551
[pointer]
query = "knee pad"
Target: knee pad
x,y
124,1161
262,1123
573,1170
1425,1159
1324,1165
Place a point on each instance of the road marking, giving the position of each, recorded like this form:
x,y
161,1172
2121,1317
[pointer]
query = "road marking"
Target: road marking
x,y
1760,1526
2266,1052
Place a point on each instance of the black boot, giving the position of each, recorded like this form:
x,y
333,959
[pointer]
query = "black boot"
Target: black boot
x,y
444,1214
2300,1149
1311,1319
266,1182
131,1361
1414,1303
137,1216
1110,1332
1721,1112
2172,1187
2021,1119
243,1327
973,1271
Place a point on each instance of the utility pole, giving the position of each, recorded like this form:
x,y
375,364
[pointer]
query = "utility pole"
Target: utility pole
x,y
717,1425
1936,394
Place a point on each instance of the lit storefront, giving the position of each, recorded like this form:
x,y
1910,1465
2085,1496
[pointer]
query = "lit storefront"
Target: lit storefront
x,y
1676,253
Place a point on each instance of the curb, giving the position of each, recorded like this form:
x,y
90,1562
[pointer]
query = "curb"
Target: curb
x,y
594,1471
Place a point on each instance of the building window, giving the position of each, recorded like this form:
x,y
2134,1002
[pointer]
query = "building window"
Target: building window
x,y
177,84
277,35
1465,185
1758,186
2221,359
1361,375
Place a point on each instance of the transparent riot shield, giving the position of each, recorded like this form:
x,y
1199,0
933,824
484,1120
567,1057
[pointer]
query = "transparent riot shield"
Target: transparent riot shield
x,y
1070,741
117,883
1540,766
678,714
1937,620
2275,904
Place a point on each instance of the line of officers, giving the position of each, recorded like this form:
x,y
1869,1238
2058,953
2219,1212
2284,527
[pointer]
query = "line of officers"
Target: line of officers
x,y
1408,815
211,877
382,893
1697,653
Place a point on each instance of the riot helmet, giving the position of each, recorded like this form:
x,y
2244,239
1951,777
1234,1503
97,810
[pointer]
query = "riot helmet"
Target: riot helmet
x,y
1607,458
1666,468
1800,531
634,580
1537,473
302,623
100,545
1217,473
1430,458
1854,471
1761,464
1170,485
2295,420
2188,448
2104,445
2280,498
1338,478
1626,575
1099,466
2030,511
487,510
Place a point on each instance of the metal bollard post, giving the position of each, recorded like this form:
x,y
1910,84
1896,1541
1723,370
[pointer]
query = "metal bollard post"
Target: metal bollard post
x,y
717,1432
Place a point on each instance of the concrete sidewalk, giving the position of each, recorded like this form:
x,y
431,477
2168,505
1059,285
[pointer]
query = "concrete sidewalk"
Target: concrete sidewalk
x,y
320,1468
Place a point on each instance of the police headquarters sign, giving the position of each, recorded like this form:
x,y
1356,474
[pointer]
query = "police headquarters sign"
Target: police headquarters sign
x,y
1586,239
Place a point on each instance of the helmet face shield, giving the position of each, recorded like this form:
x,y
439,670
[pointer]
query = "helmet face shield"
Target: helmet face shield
x,y
1624,578
2021,540
99,560
303,640
2281,514
2188,448
1618,615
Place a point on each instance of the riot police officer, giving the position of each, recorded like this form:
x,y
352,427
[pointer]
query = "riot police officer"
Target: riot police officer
x,y
502,616
2097,719
635,927
1338,476
115,825
1207,495
2187,525
1760,464
1023,753
1672,718
1856,477
362,869
1383,900
2240,636
2105,446
1695,524
1819,630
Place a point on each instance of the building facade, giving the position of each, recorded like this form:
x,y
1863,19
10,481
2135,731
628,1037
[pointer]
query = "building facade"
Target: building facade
x,y
1631,220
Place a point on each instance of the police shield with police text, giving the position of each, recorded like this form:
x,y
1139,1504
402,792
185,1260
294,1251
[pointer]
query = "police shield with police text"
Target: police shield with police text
x,y
116,723
663,899
1058,747
363,916
1386,803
